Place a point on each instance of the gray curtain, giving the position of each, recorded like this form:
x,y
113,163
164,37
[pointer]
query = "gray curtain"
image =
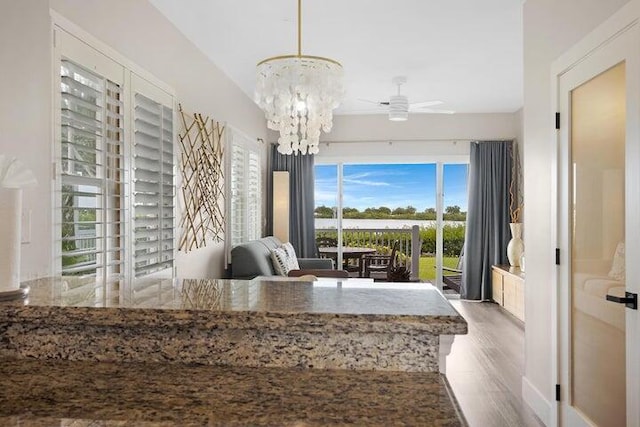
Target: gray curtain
x,y
301,181
487,233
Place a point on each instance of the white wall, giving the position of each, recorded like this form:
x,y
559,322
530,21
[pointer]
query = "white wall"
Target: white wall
x,y
365,138
140,33
25,116
550,28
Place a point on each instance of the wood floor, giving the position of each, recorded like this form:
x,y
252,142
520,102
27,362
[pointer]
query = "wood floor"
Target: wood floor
x,y
485,367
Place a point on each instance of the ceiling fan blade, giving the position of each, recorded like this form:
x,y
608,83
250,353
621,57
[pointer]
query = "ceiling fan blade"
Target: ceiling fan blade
x,y
374,102
370,111
425,104
434,111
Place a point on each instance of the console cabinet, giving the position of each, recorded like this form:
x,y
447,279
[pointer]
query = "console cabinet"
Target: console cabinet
x,y
508,289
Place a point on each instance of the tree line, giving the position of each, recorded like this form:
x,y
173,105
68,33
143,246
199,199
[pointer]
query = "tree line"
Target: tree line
x,y
451,213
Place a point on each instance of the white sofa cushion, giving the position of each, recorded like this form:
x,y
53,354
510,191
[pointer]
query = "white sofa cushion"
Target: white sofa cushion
x,y
291,254
284,259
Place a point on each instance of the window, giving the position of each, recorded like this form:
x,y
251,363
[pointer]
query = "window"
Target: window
x,y
245,201
115,180
91,171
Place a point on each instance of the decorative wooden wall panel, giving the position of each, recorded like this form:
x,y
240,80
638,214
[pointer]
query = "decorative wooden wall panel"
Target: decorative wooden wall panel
x,y
202,191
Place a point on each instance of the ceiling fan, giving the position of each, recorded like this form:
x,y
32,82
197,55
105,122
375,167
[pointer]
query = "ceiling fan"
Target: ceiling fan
x,y
399,106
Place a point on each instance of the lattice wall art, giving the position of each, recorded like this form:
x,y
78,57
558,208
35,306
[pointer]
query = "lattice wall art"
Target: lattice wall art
x,y
202,191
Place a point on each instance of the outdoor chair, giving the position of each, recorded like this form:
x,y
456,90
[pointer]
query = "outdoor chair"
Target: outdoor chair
x,y
378,266
325,242
453,281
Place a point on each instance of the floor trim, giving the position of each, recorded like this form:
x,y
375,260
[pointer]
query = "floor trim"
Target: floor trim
x,y
540,406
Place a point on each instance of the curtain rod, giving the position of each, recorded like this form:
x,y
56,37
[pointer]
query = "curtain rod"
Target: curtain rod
x,y
377,141
454,140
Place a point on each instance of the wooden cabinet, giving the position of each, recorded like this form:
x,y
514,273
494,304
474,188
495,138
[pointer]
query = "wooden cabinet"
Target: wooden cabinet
x,y
508,289
496,284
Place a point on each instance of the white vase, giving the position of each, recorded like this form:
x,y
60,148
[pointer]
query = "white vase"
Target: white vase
x,y
10,212
515,248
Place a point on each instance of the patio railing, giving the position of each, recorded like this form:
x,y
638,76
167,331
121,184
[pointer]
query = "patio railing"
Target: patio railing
x,y
382,239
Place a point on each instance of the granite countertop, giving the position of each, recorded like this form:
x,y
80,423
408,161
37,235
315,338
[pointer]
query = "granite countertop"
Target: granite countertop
x,y
373,307
44,393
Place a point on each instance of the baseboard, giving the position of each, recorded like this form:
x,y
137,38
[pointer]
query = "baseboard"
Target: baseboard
x,y
537,402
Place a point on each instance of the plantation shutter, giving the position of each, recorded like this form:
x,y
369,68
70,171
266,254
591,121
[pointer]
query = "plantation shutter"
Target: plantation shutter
x,y
245,190
153,183
238,196
91,174
254,200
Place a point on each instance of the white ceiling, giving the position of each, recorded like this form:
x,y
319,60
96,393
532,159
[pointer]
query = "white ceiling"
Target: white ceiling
x,y
467,53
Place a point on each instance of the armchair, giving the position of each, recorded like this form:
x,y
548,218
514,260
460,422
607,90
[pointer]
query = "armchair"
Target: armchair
x,y
453,281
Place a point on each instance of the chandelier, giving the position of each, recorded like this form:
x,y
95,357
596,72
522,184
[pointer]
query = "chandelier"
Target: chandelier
x,y
298,94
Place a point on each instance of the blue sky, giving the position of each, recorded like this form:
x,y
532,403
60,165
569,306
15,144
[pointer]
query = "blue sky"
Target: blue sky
x,y
391,185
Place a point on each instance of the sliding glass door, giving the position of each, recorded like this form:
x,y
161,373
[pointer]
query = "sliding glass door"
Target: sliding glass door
x,y
376,205
453,226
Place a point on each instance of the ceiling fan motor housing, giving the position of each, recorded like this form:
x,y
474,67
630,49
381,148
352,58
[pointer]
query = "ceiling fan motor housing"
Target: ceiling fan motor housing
x,y
398,108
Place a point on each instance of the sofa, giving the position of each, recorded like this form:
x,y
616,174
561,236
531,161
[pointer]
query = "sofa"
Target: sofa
x,y
252,259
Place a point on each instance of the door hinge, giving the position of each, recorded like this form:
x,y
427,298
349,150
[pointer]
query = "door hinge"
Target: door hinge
x,y
557,392
557,256
557,120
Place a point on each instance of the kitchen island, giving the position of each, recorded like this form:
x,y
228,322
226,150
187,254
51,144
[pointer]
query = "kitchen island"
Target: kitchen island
x,y
331,352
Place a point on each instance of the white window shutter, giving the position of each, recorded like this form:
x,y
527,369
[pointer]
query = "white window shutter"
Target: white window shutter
x,y
245,189
115,166
254,199
153,176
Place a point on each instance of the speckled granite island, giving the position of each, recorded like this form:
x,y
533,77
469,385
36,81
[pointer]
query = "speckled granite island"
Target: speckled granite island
x,y
225,352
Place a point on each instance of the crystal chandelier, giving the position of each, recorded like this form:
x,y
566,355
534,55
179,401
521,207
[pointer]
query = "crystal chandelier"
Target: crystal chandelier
x,y
298,94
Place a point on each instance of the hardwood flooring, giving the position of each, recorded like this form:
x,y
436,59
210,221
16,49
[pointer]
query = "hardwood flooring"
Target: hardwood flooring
x,y
485,367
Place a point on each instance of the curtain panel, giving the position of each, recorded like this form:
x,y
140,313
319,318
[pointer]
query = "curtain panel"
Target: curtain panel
x,y
301,199
487,232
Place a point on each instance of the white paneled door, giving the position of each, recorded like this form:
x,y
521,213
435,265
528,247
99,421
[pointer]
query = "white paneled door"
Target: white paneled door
x,y
598,233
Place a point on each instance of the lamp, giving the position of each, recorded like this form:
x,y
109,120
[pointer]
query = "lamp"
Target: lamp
x,y
281,205
298,94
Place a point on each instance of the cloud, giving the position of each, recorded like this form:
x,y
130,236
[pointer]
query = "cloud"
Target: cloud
x,y
322,197
368,183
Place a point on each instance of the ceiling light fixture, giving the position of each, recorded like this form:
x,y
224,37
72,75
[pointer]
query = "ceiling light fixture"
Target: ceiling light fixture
x,y
399,104
298,94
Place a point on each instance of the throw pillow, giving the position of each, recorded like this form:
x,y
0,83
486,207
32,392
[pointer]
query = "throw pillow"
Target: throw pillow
x,y
617,267
280,260
291,253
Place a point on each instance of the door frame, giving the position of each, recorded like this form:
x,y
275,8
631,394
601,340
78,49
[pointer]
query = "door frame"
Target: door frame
x,y
624,22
